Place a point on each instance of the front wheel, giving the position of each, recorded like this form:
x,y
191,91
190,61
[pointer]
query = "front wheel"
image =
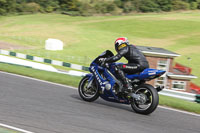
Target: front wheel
x,y
148,99
88,93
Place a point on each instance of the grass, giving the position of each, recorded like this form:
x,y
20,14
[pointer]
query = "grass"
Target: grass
x,y
5,130
39,74
86,37
73,81
179,104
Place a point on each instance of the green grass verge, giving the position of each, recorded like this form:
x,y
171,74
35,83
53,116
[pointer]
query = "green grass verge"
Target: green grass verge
x,y
74,81
179,104
5,130
39,74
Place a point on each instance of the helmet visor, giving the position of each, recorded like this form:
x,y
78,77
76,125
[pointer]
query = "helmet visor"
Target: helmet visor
x,y
122,46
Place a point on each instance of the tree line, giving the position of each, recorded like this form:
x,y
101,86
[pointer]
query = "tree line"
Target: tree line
x,y
95,7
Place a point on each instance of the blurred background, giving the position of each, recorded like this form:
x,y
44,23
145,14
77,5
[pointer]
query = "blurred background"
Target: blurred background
x,y
88,27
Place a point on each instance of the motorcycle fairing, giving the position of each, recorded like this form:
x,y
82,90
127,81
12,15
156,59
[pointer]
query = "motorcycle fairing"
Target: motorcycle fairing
x,y
148,73
105,94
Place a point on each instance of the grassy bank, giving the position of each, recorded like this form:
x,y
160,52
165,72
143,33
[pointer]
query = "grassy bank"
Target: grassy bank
x,y
73,81
86,37
179,104
39,74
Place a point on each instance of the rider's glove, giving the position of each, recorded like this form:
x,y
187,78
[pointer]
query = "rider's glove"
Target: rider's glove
x,y
102,61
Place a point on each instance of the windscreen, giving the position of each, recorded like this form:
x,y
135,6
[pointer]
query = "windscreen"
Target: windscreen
x,y
105,54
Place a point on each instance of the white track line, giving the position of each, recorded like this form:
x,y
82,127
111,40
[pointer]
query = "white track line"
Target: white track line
x,y
14,128
181,111
185,112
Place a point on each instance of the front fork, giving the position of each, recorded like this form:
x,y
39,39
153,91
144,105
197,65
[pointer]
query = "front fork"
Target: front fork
x,y
90,83
90,80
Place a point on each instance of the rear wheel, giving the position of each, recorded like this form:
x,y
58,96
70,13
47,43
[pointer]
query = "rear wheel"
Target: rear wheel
x,y
89,94
148,99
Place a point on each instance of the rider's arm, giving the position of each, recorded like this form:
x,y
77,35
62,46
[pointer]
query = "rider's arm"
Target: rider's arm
x,y
117,57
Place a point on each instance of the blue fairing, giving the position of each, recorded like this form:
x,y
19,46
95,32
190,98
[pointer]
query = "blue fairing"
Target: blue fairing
x,y
146,74
106,94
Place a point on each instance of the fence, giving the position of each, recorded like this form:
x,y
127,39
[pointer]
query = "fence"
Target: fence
x,y
84,60
181,95
44,60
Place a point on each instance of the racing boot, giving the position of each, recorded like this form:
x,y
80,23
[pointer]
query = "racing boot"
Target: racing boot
x,y
127,86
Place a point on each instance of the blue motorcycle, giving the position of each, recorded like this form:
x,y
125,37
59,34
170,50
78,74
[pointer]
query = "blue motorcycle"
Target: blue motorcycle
x,y
102,82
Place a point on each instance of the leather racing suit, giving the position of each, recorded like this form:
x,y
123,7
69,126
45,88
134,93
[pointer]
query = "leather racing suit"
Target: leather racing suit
x,y
136,63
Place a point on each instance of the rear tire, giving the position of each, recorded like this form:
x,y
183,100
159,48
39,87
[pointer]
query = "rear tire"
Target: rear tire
x,y
151,97
88,94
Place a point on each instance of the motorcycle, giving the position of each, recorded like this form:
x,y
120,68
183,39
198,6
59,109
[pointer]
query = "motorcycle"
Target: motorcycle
x,y
102,82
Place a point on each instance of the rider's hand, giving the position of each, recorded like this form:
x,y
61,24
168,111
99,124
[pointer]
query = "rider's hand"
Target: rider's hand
x,y
102,60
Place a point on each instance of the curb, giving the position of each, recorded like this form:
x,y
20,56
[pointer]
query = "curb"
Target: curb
x,y
44,60
197,99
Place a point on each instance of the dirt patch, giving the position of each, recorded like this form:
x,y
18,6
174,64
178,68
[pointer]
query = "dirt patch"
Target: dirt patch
x,y
5,45
191,50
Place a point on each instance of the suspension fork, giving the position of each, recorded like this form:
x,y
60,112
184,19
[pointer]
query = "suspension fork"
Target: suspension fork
x,y
91,79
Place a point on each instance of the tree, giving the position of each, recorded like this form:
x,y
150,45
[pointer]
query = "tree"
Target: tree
x,y
193,5
85,9
111,7
148,6
198,4
165,5
31,7
68,5
118,3
46,5
128,7
180,5
2,7
7,6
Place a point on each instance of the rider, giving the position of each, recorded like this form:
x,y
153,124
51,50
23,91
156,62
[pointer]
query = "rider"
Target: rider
x,y
136,60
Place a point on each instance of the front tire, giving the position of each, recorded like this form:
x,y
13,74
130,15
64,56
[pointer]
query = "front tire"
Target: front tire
x,y
149,102
88,94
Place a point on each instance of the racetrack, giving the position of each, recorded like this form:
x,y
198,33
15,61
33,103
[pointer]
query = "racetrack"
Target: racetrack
x,y
42,107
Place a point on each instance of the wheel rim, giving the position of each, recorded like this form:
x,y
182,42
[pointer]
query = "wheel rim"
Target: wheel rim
x,y
145,101
88,92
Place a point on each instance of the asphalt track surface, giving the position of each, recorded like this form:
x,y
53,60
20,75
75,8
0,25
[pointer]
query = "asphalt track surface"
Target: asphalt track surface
x,y
47,108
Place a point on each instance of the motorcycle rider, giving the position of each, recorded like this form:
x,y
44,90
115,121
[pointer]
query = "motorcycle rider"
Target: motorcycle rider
x,y
136,61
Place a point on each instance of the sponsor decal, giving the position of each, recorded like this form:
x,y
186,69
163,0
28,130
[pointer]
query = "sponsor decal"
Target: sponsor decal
x,y
129,67
98,78
152,72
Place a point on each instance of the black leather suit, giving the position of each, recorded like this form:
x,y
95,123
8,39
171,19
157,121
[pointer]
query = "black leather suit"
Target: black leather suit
x,y
136,62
